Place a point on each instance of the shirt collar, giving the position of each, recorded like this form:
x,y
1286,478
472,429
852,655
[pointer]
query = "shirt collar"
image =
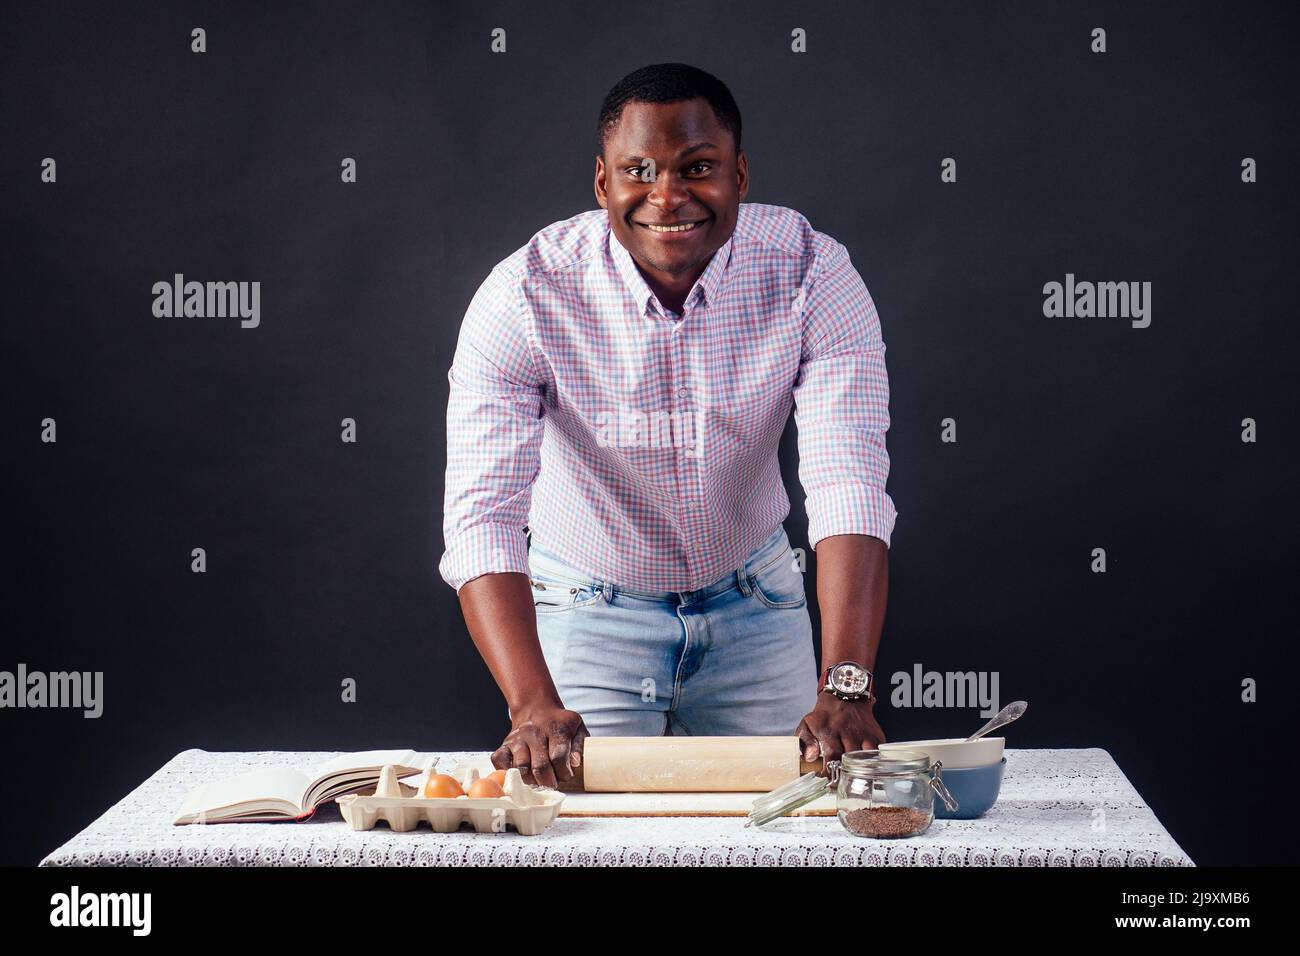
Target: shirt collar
x,y
707,287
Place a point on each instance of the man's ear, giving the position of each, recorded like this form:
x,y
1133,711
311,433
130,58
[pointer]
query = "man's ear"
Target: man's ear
x,y
600,183
742,174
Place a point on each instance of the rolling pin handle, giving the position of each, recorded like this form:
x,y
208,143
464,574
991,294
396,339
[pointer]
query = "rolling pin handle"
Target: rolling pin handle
x,y
812,766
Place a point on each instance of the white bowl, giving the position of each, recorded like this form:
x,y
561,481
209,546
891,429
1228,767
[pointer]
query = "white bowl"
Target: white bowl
x,y
955,752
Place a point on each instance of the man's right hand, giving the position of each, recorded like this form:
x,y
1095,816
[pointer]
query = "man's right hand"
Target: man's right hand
x,y
545,740
545,743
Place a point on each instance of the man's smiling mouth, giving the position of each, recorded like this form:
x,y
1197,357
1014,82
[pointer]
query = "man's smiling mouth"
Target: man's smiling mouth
x,y
672,227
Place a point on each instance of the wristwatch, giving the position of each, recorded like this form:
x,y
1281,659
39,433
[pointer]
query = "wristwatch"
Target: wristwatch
x,y
849,681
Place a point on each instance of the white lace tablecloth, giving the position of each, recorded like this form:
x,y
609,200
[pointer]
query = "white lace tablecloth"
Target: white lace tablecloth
x,y
1057,808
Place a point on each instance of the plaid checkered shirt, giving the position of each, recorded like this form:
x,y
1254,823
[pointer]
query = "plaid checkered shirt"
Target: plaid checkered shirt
x,y
640,445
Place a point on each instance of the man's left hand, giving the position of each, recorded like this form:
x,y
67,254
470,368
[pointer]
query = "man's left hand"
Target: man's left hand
x,y
836,726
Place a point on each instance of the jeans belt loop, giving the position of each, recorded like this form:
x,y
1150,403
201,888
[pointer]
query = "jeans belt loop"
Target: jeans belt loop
x,y
607,590
742,580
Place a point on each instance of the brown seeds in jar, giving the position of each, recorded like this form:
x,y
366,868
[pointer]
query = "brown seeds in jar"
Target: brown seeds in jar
x,y
885,822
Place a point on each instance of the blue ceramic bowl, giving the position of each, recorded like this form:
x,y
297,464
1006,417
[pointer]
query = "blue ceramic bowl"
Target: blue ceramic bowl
x,y
974,788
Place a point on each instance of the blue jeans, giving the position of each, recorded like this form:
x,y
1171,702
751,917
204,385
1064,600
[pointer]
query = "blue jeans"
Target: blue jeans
x,y
733,658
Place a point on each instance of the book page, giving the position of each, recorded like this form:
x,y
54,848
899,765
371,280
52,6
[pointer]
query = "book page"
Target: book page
x,y
277,784
355,770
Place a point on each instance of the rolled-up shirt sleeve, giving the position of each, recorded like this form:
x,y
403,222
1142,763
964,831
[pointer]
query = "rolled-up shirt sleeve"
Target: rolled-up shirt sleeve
x,y
494,434
842,407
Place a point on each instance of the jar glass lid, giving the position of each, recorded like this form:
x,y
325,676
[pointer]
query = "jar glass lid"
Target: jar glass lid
x,y
787,798
885,763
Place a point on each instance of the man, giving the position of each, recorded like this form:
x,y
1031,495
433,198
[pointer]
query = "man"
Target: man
x,y
619,389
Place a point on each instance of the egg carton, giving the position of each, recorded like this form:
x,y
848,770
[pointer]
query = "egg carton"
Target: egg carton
x,y
527,809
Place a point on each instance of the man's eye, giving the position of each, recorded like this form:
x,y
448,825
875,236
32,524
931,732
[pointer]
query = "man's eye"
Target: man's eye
x,y
635,170
704,166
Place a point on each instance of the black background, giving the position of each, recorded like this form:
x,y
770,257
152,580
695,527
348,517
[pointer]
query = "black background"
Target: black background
x,y
1073,433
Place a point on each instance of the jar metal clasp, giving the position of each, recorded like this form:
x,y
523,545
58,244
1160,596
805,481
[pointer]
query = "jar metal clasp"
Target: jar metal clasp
x,y
936,781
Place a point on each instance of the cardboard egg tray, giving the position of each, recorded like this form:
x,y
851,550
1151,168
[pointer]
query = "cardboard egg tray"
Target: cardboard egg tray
x,y
526,809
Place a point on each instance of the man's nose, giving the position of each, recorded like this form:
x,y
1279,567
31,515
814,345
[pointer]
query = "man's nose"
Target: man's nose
x,y
668,192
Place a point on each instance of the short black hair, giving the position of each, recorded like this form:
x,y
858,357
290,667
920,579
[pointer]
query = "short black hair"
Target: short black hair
x,y
668,83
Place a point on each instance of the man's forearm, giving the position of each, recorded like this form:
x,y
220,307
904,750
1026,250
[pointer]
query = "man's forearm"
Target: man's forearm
x,y
499,613
852,591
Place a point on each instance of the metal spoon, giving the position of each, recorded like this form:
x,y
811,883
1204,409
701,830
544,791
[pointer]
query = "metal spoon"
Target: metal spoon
x,y
1002,718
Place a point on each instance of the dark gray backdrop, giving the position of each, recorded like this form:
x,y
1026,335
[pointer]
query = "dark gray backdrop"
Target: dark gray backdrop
x,y
1074,433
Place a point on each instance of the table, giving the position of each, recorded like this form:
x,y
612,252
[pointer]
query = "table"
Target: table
x,y
1068,807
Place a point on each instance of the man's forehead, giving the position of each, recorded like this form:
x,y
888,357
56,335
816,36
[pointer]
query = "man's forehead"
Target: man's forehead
x,y
624,154
674,127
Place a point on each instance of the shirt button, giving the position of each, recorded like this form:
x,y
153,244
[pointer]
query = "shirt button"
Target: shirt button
x,y
683,391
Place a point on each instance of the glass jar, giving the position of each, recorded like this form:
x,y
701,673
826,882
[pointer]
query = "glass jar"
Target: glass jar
x,y
880,795
888,795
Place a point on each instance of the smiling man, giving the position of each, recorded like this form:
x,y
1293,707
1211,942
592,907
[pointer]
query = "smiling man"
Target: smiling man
x,y
619,390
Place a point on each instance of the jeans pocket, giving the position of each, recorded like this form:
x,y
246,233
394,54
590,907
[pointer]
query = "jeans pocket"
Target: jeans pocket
x,y
551,596
778,583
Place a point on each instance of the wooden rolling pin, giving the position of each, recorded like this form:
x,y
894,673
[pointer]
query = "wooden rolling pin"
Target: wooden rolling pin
x,y
688,764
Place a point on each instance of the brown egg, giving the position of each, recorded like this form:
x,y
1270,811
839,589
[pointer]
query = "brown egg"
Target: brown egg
x,y
499,776
485,787
442,785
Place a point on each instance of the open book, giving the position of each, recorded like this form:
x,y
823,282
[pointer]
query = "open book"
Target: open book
x,y
282,793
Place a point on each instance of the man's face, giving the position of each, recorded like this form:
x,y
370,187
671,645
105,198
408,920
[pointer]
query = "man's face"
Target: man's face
x,y
699,179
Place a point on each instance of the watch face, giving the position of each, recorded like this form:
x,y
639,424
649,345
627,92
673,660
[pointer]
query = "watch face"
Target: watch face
x,y
849,679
